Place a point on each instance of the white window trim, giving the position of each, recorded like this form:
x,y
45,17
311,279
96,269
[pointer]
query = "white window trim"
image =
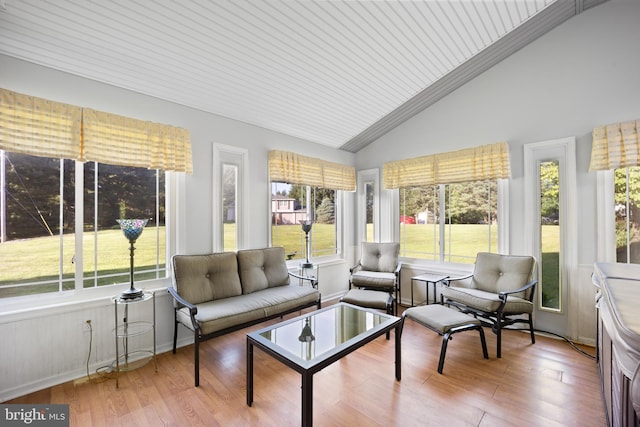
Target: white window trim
x,y
606,222
240,157
366,177
341,213
392,200
563,150
54,302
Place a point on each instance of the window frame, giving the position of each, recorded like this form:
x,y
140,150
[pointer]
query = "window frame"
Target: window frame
x,y
503,222
564,151
227,154
606,219
80,293
365,177
339,207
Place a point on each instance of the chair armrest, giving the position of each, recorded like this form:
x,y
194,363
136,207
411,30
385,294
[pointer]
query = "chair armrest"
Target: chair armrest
x,y
504,294
398,268
355,268
312,280
193,310
448,280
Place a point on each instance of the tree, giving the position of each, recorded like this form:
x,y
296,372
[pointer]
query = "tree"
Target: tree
x,y
325,213
549,190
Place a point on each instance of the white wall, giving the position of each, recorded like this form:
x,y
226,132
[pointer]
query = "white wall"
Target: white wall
x,y
582,74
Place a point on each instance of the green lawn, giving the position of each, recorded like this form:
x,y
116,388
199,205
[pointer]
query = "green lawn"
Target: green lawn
x,y
38,259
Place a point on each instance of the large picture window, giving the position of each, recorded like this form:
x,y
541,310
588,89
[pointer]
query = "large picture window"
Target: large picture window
x,y
67,174
59,216
449,222
291,205
307,189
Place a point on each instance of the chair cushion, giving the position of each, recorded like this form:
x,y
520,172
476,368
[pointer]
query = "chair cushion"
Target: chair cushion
x,y
373,279
200,278
497,273
379,256
262,268
440,318
486,301
368,299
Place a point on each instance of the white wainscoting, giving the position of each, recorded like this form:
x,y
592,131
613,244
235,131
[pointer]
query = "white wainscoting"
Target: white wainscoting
x,y
49,345
586,311
45,347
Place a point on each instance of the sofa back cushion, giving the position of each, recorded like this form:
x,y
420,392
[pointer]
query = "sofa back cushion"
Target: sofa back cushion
x,y
381,257
201,278
262,268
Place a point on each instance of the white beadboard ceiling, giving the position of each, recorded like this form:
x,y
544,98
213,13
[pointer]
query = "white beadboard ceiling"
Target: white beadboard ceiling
x,y
339,73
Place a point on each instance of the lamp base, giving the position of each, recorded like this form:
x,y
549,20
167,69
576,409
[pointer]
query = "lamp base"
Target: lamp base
x,y
132,293
306,265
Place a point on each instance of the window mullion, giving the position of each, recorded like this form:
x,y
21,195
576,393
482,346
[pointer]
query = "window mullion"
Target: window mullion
x,y
627,216
96,215
79,224
442,222
61,228
158,223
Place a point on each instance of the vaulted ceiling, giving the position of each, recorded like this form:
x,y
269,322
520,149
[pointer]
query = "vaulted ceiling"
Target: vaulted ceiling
x,y
340,73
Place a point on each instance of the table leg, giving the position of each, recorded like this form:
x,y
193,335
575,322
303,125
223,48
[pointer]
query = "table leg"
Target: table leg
x,y
307,399
398,352
249,372
412,292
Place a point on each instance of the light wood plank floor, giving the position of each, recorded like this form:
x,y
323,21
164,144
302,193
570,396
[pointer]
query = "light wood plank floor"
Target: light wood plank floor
x,y
545,384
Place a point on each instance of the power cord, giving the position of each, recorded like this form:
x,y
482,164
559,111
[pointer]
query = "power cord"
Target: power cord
x,y
90,345
571,343
103,371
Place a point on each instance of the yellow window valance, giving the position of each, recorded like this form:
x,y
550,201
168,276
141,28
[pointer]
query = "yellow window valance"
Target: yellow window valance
x,y
40,127
120,140
470,164
615,146
294,168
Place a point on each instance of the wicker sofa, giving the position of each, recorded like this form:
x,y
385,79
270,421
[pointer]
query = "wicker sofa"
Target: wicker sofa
x,y
221,292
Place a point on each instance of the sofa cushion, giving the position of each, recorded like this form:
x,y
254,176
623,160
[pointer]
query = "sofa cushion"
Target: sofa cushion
x,y
214,316
262,268
201,278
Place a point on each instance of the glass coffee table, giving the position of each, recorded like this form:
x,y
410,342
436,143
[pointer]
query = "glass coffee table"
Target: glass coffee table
x,y
311,342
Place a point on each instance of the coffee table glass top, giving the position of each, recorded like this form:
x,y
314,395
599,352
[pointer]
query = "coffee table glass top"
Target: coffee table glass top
x,y
314,337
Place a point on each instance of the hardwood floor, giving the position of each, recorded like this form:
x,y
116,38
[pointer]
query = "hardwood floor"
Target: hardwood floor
x,y
545,384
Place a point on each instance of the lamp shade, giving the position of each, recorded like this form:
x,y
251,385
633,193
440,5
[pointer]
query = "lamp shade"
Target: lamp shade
x,y
132,228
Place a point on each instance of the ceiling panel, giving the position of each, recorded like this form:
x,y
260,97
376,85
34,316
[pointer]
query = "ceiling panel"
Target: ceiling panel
x,y
339,73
